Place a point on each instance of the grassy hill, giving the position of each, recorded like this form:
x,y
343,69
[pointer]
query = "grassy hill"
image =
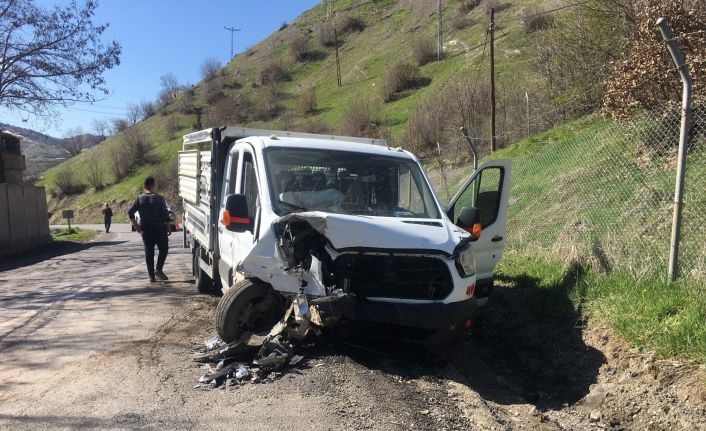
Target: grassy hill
x,y
382,34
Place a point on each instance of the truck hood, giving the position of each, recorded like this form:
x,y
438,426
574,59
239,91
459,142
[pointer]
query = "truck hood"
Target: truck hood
x,y
380,233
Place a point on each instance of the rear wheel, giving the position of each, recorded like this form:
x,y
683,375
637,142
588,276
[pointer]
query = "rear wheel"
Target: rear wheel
x,y
249,306
203,282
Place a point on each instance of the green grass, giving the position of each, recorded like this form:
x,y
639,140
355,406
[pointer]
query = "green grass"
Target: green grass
x,y
651,315
75,234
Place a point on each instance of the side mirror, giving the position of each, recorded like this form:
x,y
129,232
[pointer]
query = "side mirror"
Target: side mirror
x,y
235,216
469,220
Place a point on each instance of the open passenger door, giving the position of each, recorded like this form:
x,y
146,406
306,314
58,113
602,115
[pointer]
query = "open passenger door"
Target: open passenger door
x,y
487,189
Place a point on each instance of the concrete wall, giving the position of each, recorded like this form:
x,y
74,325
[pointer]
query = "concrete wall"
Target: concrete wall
x,y
24,222
6,246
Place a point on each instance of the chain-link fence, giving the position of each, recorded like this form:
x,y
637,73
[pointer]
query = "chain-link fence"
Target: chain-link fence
x,y
602,191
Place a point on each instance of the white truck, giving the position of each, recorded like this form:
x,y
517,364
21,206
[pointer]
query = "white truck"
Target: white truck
x,y
350,223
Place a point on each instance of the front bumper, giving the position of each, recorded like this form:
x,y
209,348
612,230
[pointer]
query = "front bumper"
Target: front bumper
x,y
429,323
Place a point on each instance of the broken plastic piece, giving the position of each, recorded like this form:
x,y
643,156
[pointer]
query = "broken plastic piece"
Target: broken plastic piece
x,y
243,372
212,342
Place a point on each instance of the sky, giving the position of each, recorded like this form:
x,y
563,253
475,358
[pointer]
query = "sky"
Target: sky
x,y
162,36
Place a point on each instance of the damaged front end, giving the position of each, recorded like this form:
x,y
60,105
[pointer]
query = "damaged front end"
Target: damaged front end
x,y
375,276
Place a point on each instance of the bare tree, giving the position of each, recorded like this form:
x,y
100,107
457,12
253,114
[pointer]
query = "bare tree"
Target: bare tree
x,y
51,55
133,113
210,68
170,85
74,142
100,128
120,124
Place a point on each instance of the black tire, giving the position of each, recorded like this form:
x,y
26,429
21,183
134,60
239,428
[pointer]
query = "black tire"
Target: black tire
x,y
250,306
203,282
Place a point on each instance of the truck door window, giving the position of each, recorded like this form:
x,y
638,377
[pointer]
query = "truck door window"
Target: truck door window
x,y
232,180
250,187
488,197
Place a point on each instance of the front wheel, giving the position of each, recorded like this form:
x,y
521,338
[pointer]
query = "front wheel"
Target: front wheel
x,y
203,282
249,306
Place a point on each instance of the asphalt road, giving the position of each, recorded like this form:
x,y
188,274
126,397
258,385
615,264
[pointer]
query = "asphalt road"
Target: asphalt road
x,y
87,343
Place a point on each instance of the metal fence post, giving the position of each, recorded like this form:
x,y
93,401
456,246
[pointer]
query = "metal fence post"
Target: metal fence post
x,y
678,59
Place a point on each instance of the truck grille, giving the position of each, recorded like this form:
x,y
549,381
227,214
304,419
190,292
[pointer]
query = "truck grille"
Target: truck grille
x,y
407,277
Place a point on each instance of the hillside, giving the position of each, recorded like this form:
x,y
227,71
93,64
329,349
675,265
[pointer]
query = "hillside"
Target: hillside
x,y
241,87
42,151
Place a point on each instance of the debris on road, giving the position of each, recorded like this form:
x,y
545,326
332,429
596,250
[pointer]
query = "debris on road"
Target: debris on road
x,y
256,358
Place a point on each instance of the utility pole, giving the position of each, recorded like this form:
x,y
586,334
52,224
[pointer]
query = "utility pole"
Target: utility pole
x,y
338,60
528,117
439,42
492,80
231,30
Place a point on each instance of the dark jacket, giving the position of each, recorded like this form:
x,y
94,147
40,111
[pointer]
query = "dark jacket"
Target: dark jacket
x,y
107,213
153,211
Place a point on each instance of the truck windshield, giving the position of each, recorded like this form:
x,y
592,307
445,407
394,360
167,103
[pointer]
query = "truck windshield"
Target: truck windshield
x,y
345,182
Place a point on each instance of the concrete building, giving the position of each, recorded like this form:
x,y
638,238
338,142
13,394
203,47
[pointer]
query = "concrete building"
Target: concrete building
x,y
24,220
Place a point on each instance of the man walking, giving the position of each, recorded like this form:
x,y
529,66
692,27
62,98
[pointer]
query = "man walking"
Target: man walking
x,y
107,217
154,227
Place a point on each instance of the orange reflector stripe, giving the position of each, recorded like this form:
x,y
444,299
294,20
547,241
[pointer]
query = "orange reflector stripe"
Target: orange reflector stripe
x,y
225,219
475,231
239,220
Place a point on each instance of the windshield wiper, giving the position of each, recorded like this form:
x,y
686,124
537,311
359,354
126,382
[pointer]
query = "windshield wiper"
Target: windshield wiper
x,y
291,205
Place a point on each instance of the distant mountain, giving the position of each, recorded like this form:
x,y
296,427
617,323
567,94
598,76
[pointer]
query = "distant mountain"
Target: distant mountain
x,y
42,151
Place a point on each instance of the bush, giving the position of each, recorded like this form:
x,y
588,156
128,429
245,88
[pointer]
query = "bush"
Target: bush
x,y
148,109
535,19
359,116
166,176
312,125
121,165
424,51
425,127
465,6
120,124
350,24
307,102
400,77
327,34
273,73
228,110
299,47
283,26
138,147
210,68
66,182
95,174
171,126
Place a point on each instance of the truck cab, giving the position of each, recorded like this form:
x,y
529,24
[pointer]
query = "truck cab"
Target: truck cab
x,y
349,223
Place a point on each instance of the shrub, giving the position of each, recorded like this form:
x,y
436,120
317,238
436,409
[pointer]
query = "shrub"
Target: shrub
x,y
465,6
425,127
307,102
138,148
95,174
66,182
171,126
273,73
299,47
210,68
327,34
400,77
166,176
120,124
283,26
535,19
312,125
148,109
424,51
351,24
121,165
359,116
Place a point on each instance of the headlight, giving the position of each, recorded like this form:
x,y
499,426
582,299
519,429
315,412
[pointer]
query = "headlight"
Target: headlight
x,y
466,262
